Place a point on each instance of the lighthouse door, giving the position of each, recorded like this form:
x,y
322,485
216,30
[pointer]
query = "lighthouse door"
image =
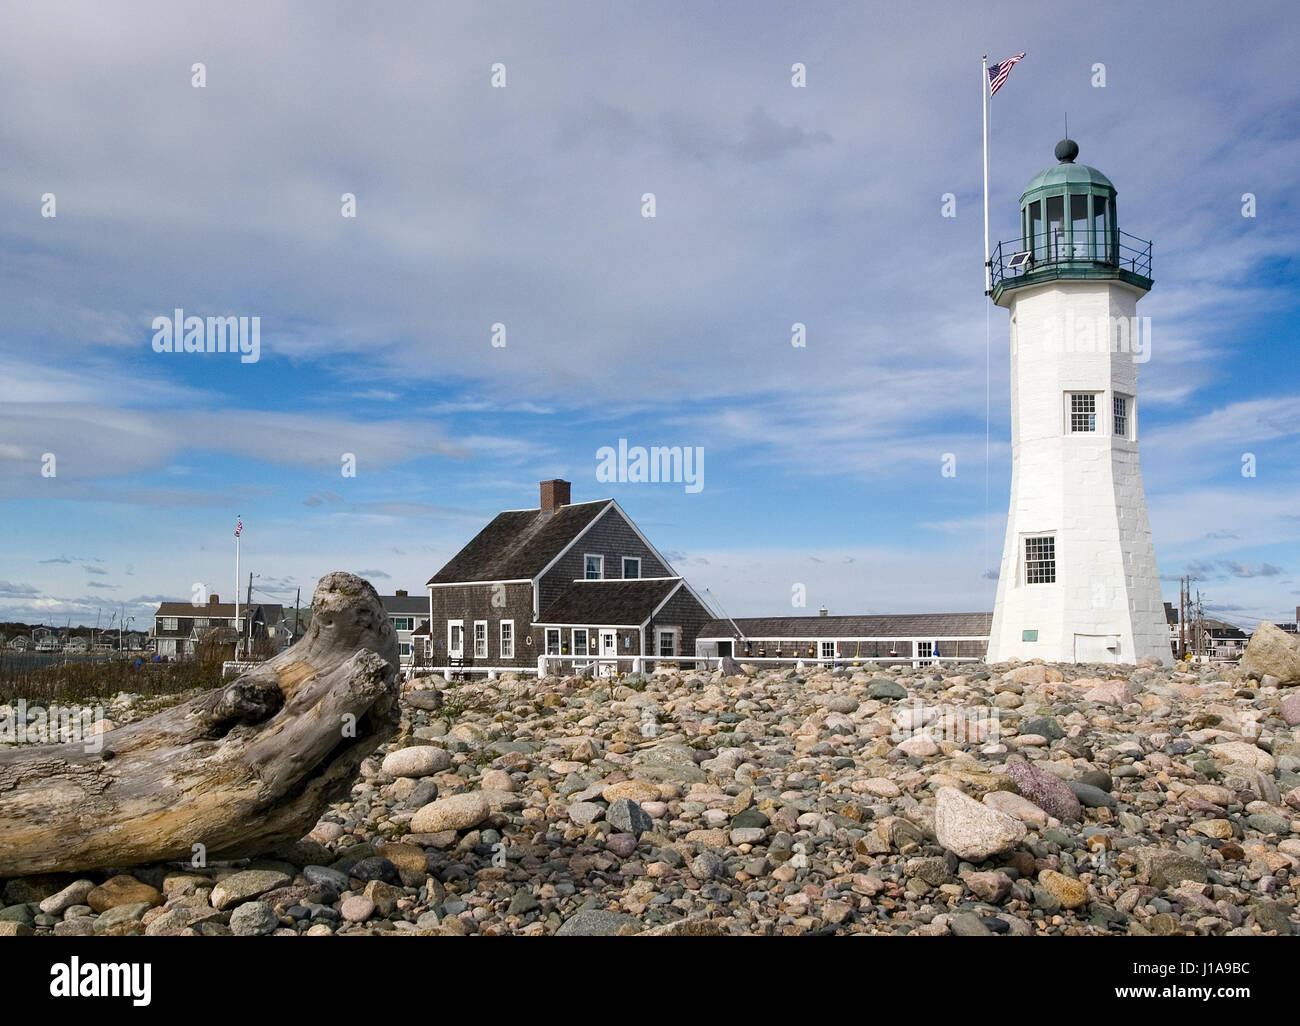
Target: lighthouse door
x,y
1096,648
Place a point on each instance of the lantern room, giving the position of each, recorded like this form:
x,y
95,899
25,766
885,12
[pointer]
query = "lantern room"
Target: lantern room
x,y
1069,229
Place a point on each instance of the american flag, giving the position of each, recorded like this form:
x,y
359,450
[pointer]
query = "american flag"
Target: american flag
x,y
998,72
239,526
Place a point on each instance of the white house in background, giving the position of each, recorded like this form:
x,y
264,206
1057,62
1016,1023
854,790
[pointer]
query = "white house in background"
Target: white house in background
x,y
408,614
1078,581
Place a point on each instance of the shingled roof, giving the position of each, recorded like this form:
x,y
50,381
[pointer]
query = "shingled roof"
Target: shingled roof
x,y
400,605
884,627
272,612
518,544
610,603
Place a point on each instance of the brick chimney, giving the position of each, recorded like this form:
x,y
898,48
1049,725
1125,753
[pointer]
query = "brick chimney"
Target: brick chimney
x,y
555,494
401,593
214,600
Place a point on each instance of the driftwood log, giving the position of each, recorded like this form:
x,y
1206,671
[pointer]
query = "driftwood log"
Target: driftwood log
x,y
237,770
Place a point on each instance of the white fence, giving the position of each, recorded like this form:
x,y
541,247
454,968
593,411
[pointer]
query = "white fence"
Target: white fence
x,y
234,666
609,666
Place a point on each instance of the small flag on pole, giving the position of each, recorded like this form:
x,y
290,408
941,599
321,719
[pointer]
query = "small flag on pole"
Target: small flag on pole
x,y
998,72
239,526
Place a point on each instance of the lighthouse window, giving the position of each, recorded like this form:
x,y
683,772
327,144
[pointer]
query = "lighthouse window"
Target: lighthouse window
x,y
1079,226
1040,560
1121,416
1101,240
1056,227
1083,411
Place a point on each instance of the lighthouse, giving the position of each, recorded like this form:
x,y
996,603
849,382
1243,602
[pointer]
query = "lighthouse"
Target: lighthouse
x,y
1078,580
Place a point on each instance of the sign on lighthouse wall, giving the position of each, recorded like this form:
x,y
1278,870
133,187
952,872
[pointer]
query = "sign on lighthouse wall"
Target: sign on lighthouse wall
x,y
1078,580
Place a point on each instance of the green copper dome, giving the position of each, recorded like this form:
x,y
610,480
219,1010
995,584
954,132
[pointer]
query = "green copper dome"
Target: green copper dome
x,y
1067,172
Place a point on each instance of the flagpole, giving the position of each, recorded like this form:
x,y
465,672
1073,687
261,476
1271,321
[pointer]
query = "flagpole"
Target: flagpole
x,y
984,94
237,631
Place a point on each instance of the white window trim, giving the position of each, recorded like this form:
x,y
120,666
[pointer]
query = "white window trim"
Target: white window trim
x,y
507,645
586,641
456,651
676,633
1098,404
484,625
821,648
1024,560
559,641
1130,411
593,555
632,559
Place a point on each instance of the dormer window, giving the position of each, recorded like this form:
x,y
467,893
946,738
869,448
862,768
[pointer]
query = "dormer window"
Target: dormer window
x,y
595,567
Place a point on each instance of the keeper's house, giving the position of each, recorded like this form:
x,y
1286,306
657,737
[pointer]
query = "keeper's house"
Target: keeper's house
x,y
577,583
848,639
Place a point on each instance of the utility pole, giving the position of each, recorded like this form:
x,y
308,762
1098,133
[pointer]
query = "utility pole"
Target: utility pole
x,y
1199,628
296,600
1182,617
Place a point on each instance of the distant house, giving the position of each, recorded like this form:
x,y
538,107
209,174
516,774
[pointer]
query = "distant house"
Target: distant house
x,y
77,644
134,641
576,583
1223,640
180,627
1290,626
1171,619
407,613
47,640
849,639
20,643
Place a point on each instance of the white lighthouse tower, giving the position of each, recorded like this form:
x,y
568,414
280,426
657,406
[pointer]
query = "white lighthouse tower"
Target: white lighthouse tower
x,y
1078,581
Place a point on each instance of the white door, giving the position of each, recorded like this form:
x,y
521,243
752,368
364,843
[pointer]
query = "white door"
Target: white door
x,y
1096,648
608,647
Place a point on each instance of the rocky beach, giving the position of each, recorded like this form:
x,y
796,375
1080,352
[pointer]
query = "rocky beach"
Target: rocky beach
x,y
1019,800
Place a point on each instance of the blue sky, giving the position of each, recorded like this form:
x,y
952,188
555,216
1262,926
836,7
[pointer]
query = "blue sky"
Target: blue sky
x,y
522,206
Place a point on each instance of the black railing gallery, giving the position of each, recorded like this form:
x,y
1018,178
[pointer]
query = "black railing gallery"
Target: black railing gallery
x,y
1052,257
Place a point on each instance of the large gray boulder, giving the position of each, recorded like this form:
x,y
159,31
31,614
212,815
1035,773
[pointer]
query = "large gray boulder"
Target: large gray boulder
x,y
1273,651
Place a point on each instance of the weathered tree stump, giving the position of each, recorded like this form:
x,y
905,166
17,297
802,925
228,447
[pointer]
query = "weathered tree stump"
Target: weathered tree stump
x,y
237,770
